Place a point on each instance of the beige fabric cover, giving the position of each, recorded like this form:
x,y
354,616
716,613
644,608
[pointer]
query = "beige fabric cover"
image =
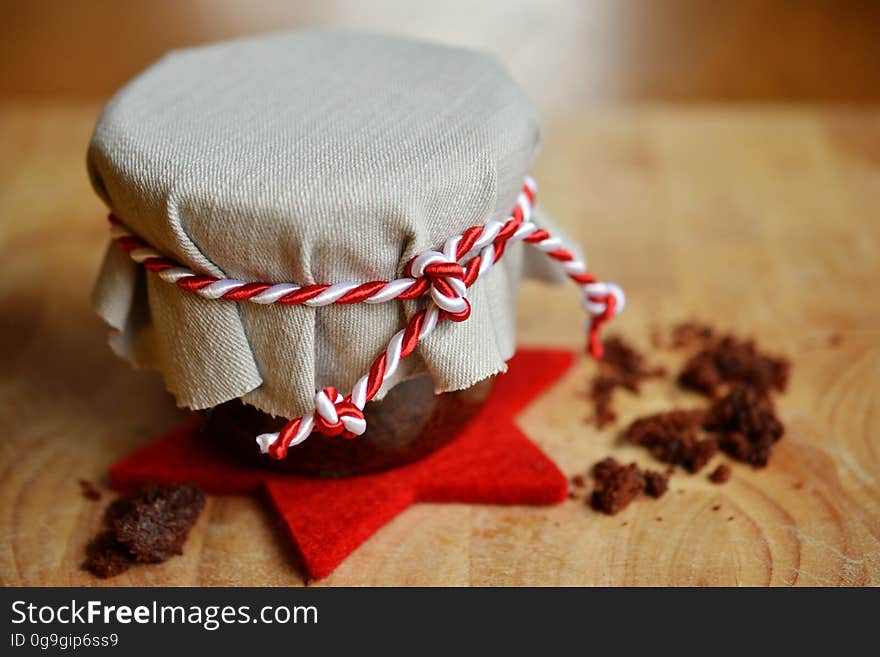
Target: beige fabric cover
x,y
308,157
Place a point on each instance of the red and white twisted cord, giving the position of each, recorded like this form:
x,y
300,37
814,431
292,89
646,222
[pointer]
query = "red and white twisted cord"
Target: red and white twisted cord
x,y
440,274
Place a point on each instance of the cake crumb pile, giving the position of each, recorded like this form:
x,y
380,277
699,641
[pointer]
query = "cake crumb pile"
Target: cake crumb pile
x,y
740,421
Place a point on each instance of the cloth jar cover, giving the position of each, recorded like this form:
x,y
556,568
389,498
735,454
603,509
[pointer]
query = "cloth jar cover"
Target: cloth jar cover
x,y
309,158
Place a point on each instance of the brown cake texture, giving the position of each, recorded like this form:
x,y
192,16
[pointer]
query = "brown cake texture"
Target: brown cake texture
x,y
106,557
746,423
149,526
617,485
731,361
656,483
622,366
674,437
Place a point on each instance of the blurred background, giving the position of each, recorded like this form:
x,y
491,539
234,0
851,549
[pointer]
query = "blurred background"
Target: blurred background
x,y
567,53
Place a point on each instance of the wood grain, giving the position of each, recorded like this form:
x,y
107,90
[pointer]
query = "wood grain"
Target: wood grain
x,y
761,220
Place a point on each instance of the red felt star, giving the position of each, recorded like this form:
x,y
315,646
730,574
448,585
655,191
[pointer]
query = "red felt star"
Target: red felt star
x,y
492,462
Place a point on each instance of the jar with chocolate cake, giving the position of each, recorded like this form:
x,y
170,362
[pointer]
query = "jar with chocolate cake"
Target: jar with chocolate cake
x,y
318,238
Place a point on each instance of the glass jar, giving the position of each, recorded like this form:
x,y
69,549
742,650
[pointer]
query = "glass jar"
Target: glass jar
x,y
408,424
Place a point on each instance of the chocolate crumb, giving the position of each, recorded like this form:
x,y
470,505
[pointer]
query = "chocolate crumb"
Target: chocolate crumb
x,y
579,481
621,367
747,425
656,483
721,474
601,393
106,557
729,518
154,523
628,364
687,334
673,437
728,361
603,469
149,526
659,518
616,485
716,507
89,490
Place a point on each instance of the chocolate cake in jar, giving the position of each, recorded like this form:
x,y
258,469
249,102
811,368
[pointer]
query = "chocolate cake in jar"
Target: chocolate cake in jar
x,y
317,240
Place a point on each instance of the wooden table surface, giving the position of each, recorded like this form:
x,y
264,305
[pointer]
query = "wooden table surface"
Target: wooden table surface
x,y
761,220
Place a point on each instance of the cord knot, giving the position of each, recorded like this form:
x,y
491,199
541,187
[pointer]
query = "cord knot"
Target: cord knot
x,y
446,278
336,415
